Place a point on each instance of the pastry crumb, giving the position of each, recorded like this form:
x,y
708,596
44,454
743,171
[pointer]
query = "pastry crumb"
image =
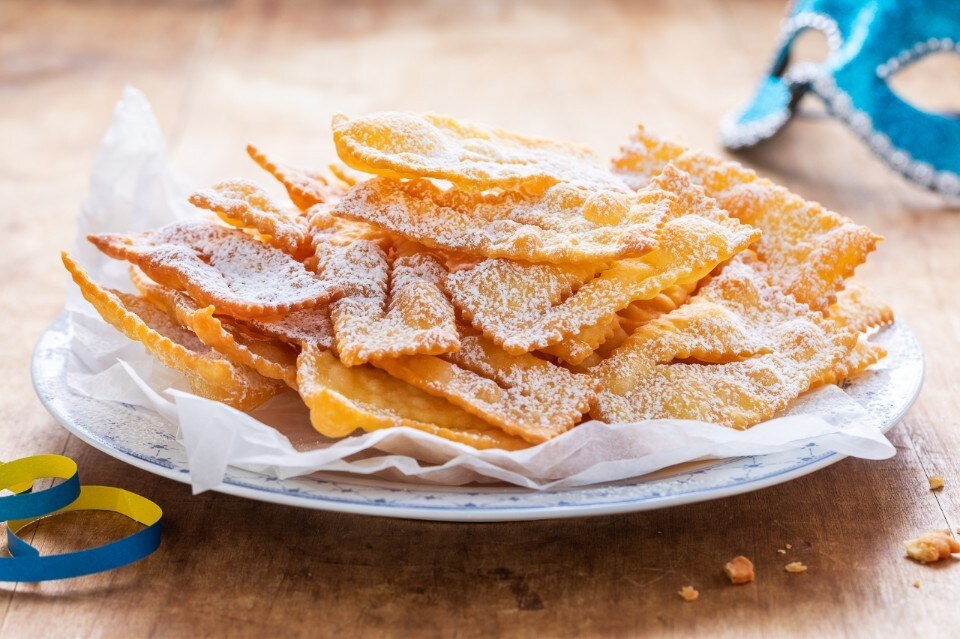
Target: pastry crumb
x,y
916,584
789,546
795,566
933,546
689,593
781,551
936,482
739,570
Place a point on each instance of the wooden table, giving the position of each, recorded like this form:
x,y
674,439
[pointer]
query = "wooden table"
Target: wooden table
x,y
221,74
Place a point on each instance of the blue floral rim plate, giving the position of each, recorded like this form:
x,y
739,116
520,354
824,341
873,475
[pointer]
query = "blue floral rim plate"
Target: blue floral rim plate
x,y
143,439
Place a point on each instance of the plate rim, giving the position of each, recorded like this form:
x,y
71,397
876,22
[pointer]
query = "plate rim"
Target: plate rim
x,y
237,487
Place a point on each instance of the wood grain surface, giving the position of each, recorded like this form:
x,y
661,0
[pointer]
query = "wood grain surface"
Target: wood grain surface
x,y
222,74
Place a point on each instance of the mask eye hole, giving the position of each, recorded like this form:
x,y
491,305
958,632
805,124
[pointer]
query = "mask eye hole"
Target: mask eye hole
x,y
924,83
808,50
809,46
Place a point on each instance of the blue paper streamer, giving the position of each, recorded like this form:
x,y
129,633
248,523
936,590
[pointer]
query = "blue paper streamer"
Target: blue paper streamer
x,y
26,507
18,476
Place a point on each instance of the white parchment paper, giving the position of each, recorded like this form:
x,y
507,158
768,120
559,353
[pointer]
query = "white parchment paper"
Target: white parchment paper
x,y
132,188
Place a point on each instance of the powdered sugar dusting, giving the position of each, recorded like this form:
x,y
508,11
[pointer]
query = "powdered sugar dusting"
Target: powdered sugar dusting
x,y
691,243
324,228
475,157
388,310
306,326
223,267
524,395
644,156
544,398
811,250
859,307
514,293
863,355
244,204
763,349
563,225
271,359
209,373
577,348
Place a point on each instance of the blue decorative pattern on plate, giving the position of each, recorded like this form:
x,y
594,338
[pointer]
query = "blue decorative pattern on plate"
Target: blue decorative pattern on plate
x,y
141,438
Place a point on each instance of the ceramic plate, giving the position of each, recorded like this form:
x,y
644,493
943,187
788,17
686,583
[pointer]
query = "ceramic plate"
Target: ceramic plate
x,y
143,439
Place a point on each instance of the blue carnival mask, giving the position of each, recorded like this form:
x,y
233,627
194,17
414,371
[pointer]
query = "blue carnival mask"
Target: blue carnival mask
x,y
869,40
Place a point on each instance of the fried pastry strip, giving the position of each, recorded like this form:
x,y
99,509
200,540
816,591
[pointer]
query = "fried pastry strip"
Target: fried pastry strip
x,y
577,348
629,319
325,228
475,157
208,372
592,344
243,204
221,267
563,225
368,323
304,187
307,326
268,357
860,308
698,238
344,175
504,292
809,249
863,355
643,311
342,400
522,394
617,337
735,354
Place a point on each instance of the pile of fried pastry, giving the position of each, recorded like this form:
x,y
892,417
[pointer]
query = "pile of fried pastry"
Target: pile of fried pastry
x,y
497,289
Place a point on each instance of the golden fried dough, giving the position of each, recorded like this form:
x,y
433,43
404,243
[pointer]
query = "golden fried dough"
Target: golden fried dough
x,y
388,309
690,244
475,157
243,204
735,354
563,225
305,188
209,374
810,250
522,394
269,357
344,399
222,267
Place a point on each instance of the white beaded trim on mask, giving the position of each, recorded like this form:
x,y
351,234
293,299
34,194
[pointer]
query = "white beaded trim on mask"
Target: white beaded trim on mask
x,y
735,135
840,104
914,53
826,25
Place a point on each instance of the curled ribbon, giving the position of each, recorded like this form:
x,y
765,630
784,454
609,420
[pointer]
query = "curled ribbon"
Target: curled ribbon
x,y
25,507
